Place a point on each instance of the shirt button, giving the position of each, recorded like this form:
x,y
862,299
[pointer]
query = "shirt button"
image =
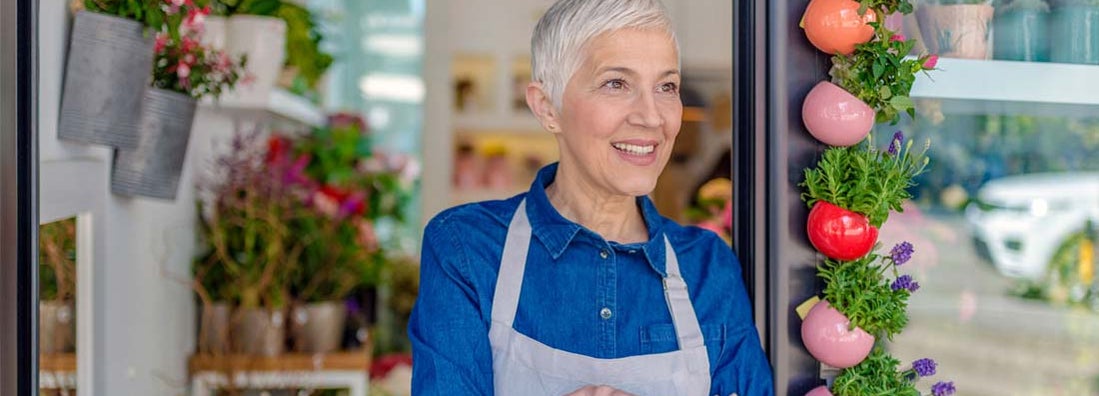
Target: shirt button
x,y
605,313
603,253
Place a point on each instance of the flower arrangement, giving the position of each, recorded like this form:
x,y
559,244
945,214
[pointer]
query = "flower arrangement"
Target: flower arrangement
x,y
182,63
714,208
878,375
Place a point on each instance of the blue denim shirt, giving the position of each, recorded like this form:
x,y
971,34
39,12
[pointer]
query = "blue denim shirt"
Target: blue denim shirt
x,y
572,274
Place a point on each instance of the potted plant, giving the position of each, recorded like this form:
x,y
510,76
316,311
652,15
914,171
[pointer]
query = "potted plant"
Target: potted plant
x,y
851,191
1074,28
250,246
57,286
184,72
836,26
109,51
879,375
861,303
306,63
1021,29
957,28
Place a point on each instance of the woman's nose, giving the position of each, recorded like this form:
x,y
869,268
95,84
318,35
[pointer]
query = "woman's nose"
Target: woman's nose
x,y
645,113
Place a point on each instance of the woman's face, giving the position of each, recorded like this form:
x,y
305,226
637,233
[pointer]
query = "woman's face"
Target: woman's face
x,y
620,112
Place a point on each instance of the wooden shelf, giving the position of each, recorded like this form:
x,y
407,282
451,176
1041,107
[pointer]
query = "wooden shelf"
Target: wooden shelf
x,y
57,362
350,360
969,86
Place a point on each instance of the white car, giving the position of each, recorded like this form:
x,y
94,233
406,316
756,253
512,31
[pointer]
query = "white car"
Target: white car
x,y
1019,222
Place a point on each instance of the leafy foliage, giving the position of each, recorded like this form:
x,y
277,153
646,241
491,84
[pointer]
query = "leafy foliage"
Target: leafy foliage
x,y
885,7
57,260
860,291
864,180
877,375
183,64
147,12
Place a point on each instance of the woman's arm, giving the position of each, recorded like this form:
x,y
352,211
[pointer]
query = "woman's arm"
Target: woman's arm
x,y
450,349
742,365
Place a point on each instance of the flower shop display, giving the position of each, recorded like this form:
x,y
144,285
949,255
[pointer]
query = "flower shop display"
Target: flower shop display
x,y
957,28
109,51
1074,31
184,71
57,287
850,192
1021,31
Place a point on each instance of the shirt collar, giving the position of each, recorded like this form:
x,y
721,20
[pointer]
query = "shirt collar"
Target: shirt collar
x,y
556,232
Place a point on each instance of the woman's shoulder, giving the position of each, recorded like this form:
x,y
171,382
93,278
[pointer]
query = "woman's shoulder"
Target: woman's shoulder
x,y
474,216
691,236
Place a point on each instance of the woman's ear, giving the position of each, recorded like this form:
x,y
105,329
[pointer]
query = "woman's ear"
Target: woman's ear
x,y
542,106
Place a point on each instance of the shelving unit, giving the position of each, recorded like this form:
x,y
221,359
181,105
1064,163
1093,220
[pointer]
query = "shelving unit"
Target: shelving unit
x,y
278,102
346,370
1005,87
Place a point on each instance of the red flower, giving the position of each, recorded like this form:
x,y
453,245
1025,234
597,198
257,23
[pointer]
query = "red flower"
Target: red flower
x,y
897,37
277,146
161,42
930,62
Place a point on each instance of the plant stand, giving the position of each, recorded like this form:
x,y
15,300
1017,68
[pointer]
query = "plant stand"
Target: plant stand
x,y
345,370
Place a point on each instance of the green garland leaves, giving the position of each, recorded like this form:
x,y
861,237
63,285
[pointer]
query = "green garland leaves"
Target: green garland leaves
x,y
875,376
860,291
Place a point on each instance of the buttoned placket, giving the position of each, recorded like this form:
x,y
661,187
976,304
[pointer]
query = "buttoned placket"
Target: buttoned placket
x,y
608,277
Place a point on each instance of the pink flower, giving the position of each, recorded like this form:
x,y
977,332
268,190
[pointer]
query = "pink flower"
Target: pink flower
x,y
160,43
367,237
897,37
325,203
183,70
195,21
188,44
727,215
189,59
931,62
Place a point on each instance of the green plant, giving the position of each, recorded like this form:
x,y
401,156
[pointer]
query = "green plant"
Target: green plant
x,y
885,7
880,74
147,12
865,180
860,290
57,260
303,38
877,375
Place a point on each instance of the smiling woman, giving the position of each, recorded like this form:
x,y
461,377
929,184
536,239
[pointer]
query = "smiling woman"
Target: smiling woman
x,y
578,286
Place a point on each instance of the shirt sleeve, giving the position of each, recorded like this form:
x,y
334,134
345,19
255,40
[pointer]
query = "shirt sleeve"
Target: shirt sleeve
x,y
742,367
450,348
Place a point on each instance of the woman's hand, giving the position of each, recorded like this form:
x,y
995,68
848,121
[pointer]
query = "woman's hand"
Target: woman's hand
x,y
601,390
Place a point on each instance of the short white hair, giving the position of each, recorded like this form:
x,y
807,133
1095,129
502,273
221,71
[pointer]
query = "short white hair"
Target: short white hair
x,y
560,37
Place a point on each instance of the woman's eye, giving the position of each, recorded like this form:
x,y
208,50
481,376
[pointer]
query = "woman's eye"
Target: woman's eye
x,y
615,84
669,88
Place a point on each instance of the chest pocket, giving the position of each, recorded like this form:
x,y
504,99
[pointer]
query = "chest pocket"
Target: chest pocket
x,y
661,338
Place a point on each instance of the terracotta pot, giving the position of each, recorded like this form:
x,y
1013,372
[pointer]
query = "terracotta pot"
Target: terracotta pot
x,y
835,26
834,116
827,335
819,391
957,31
318,327
840,233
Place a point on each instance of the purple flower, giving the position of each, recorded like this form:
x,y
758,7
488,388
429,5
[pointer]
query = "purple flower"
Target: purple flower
x,y
905,282
942,388
924,367
901,253
897,142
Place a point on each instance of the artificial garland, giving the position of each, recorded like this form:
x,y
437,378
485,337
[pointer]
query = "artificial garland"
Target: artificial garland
x,y
851,192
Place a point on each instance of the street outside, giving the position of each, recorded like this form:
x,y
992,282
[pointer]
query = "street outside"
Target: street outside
x,y
986,340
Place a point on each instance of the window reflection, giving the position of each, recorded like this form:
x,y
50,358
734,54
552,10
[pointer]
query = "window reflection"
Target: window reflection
x,y
1004,226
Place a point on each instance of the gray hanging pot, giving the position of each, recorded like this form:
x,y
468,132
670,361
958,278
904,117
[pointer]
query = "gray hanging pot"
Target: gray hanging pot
x,y
153,168
109,65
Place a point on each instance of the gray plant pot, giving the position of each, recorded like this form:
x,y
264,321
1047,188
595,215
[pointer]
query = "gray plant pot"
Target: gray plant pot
x,y
318,327
153,168
56,327
259,332
109,65
214,329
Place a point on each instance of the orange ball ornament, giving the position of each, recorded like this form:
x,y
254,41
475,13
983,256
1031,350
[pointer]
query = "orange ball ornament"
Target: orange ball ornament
x,y
835,26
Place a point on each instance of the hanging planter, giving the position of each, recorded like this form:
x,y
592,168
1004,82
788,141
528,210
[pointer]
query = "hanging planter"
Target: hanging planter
x,y
106,54
840,233
1074,29
835,26
830,338
834,116
153,168
957,30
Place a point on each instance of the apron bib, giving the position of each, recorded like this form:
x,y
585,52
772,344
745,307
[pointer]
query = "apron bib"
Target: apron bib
x,y
523,366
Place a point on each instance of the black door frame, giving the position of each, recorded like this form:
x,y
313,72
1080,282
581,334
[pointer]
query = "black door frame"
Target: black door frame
x,y
18,198
774,66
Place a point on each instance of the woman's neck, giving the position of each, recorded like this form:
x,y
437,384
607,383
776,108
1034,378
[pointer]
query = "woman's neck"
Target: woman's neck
x,y
614,217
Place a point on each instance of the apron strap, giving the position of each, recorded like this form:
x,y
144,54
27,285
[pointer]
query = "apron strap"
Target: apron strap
x,y
509,282
687,329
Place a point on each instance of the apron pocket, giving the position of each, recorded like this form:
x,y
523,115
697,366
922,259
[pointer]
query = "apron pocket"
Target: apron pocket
x,y
661,338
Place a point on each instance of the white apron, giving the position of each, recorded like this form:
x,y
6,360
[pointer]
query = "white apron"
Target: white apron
x,y
523,366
